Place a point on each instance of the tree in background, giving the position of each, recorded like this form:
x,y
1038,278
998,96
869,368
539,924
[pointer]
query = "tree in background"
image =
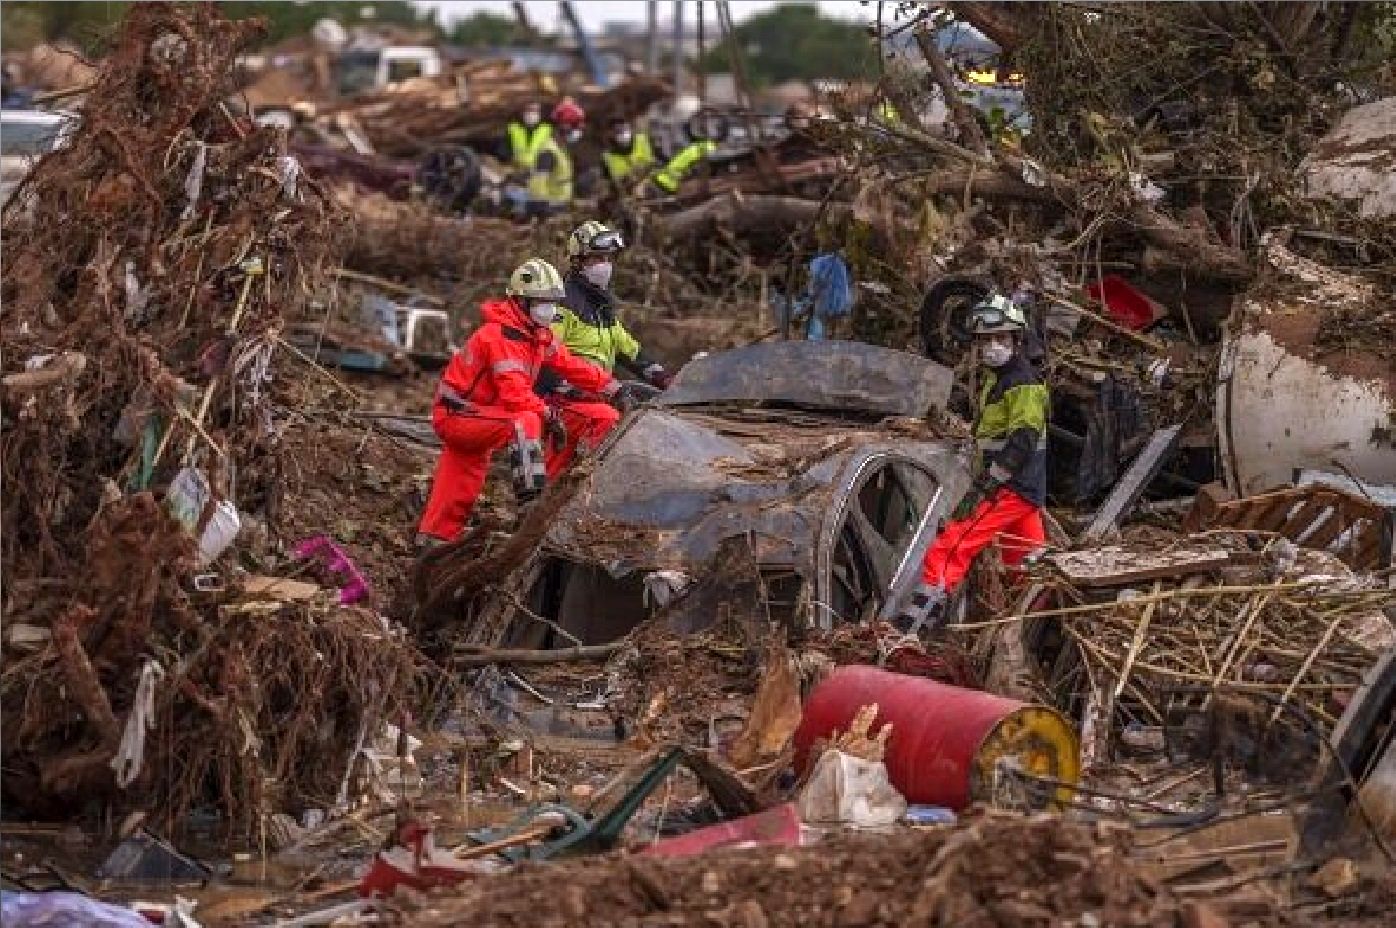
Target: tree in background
x,y
288,19
24,24
794,42
482,29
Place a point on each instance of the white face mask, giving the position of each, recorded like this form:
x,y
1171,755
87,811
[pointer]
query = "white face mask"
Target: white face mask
x,y
599,273
624,137
544,313
996,354
531,118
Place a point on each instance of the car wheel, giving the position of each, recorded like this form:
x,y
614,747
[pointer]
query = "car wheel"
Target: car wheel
x,y
945,318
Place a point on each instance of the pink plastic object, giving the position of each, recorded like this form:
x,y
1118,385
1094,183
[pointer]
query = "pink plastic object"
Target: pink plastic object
x,y
779,826
354,585
1123,303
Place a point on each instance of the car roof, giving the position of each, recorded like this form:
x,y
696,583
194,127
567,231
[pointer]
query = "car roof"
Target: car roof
x,y
673,482
838,376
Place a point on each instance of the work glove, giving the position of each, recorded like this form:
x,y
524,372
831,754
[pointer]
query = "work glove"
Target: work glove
x,y
625,398
554,429
986,484
991,479
658,377
566,390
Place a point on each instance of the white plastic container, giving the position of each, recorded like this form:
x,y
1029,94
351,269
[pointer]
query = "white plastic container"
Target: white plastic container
x,y
223,526
187,496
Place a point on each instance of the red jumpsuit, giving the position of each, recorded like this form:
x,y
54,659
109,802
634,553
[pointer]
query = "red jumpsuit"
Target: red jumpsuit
x,y
490,381
1006,517
587,421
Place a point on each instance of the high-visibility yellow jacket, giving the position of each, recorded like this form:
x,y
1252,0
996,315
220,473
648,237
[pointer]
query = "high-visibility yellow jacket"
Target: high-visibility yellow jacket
x,y
685,161
551,184
525,143
590,328
640,157
1011,429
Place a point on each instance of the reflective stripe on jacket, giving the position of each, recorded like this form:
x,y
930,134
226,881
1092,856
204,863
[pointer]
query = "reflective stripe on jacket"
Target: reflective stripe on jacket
x,y
589,327
525,143
504,356
1011,430
640,157
681,164
551,184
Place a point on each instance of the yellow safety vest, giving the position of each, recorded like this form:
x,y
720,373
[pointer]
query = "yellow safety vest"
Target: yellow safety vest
x,y
599,344
668,179
887,114
553,186
524,145
620,166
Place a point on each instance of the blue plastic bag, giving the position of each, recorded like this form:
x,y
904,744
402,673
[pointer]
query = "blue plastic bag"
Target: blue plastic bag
x,y
829,296
830,287
61,910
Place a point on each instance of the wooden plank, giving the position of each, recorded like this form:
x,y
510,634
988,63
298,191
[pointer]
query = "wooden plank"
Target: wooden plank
x,y
1116,565
1367,552
280,589
1303,517
1280,513
527,836
1131,486
1256,510
1327,532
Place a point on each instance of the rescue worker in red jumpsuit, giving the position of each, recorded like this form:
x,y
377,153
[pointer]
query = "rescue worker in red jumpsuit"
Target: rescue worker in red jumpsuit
x,y
486,401
1010,488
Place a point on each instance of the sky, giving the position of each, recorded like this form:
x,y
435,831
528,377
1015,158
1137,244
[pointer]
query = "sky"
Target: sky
x,y
596,13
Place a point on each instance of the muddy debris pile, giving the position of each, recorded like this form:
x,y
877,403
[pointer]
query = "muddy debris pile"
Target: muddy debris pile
x,y
1137,638
150,266
415,117
992,872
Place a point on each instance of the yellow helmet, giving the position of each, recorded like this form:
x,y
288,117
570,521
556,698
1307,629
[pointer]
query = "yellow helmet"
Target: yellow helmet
x,y
593,238
536,279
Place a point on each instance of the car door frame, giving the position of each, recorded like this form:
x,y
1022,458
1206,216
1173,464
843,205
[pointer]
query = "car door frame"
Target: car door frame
x,y
950,483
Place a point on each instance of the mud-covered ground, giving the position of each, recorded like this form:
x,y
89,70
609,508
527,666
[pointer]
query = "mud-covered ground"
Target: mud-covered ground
x,y
991,872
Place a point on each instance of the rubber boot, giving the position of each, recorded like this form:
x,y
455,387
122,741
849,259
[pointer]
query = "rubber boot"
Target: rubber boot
x,y
925,613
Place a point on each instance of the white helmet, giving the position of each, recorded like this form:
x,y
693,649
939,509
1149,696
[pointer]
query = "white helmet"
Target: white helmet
x,y
536,279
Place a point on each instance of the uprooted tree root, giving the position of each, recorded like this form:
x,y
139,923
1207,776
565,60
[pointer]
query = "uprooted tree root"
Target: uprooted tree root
x,y
156,256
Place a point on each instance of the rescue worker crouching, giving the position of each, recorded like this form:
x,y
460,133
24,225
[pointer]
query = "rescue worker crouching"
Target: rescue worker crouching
x,y
1010,488
486,400
666,180
629,155
591,330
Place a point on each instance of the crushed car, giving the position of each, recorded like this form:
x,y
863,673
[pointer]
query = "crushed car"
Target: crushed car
x,y
799,478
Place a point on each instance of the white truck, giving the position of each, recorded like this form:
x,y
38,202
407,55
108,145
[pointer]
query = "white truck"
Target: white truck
x,y
359,70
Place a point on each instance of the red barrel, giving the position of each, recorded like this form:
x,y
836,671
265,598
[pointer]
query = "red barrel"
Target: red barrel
x,y
946,741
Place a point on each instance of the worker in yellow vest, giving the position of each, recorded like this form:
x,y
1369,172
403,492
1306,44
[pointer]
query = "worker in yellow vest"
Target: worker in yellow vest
x,y
525,138
668,178
629,155
548,178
